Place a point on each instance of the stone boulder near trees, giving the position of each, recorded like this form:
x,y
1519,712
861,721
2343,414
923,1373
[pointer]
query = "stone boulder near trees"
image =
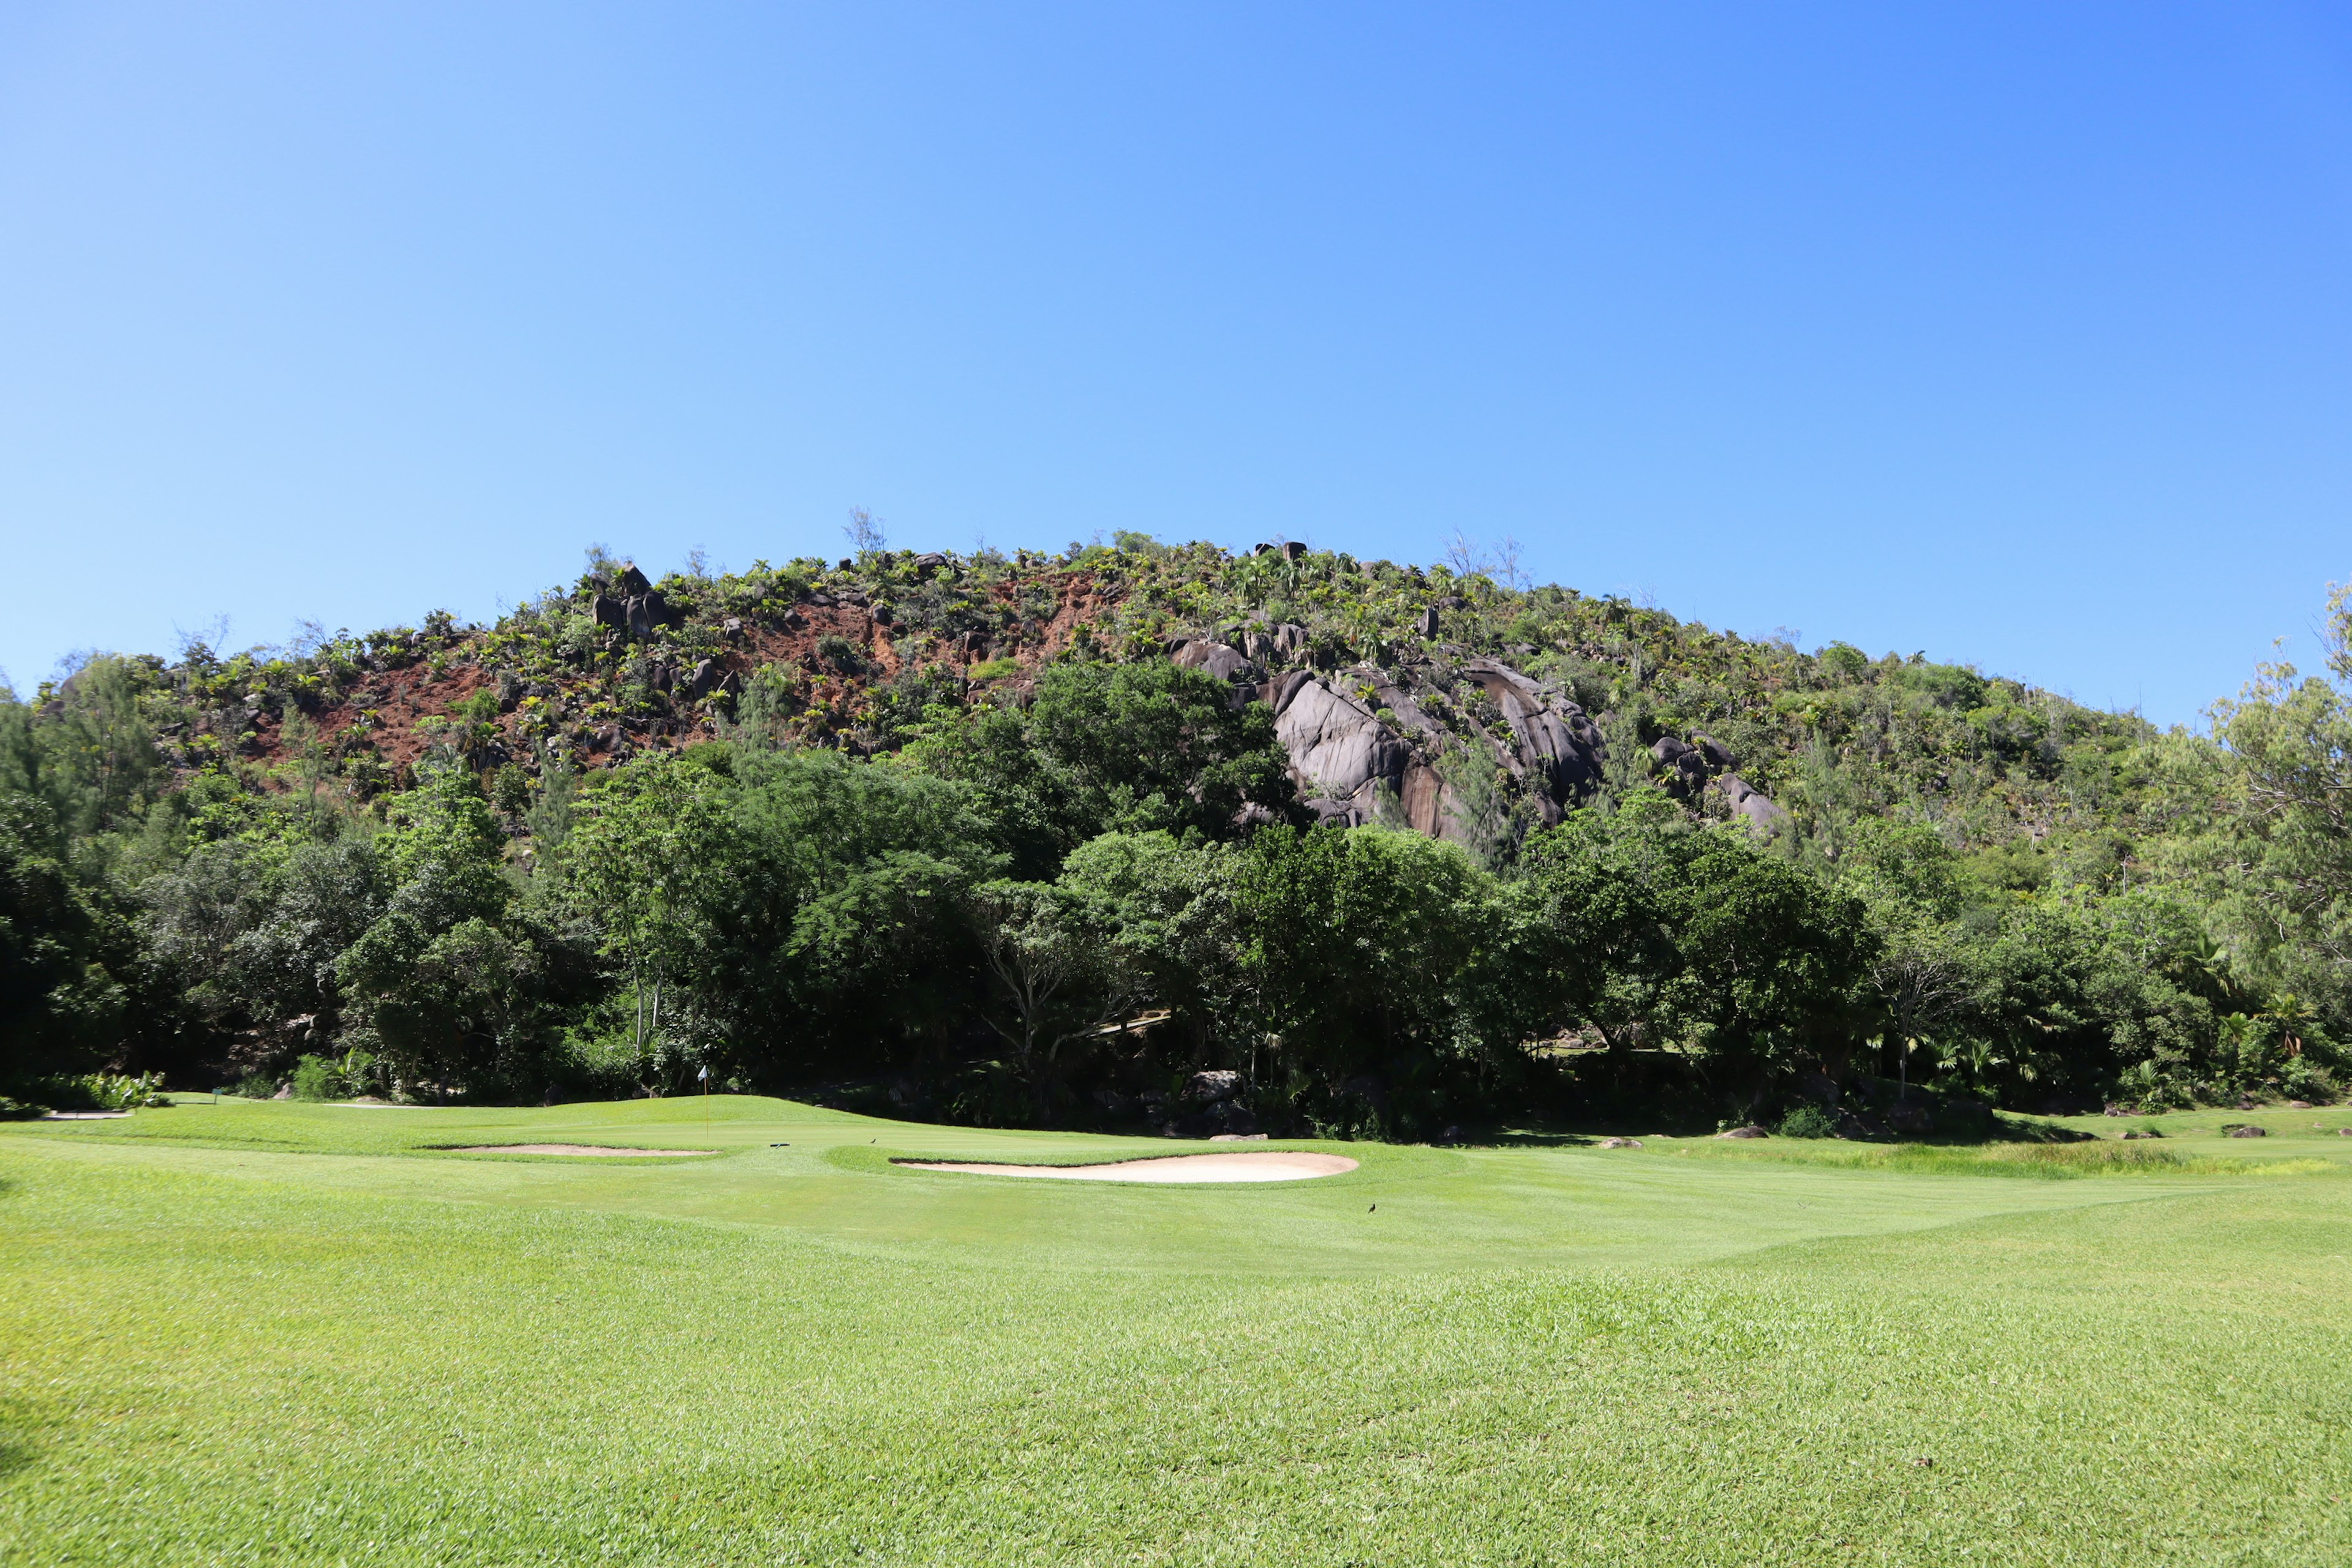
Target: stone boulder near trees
x,y
1220,659
1553,740
1751,804
1214,1084
1338,747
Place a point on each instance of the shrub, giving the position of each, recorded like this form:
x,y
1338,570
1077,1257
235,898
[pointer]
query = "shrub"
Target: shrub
x,y
101,1092
1806,1121
840,655
256,1085
315,1078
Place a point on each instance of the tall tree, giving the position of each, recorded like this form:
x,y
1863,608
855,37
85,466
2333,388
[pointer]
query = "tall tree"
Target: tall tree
x,y
645,858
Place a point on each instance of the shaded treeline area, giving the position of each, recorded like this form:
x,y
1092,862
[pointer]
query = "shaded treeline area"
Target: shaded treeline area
x,y
1003,860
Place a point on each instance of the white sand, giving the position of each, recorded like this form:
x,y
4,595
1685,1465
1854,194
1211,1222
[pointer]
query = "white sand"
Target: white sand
x,y
591,1148
1269,1165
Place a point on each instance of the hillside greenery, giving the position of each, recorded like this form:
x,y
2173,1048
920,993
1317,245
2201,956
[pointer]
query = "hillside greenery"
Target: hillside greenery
x,y
954,835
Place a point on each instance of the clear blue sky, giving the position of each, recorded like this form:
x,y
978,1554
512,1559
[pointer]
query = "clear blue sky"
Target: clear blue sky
x,y
2019,334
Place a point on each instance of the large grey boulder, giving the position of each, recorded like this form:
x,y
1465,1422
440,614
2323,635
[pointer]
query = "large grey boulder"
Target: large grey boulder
x,y
1553,739
1220,659
1338,747
1278,644
1751,804
1213,1084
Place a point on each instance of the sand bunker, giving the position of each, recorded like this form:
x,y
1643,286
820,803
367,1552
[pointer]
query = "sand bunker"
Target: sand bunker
x,y
1268,1165
564,1149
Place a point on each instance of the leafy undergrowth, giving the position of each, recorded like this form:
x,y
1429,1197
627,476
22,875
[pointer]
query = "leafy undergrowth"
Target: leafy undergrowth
x,y
2045,1160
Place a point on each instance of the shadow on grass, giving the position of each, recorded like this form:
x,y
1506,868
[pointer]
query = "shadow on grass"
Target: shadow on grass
x,y
1978,1131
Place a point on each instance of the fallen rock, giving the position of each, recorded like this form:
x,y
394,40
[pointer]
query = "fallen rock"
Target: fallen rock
x,y
2249,1132
1237,1137
1751,1131
2136,1133
2298,1105
1620,1143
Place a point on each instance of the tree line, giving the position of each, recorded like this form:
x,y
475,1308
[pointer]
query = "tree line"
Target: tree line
x,y
1061,910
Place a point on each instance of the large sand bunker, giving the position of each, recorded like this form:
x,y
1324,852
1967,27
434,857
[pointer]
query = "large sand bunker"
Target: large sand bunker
x,y
1262,1165
564,1149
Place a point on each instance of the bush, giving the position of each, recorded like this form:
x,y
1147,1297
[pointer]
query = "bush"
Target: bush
x,y
100,1091
1806,1121
315,1078
256,1085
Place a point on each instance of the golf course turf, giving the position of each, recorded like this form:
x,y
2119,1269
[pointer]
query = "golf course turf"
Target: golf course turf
x,y
262,1332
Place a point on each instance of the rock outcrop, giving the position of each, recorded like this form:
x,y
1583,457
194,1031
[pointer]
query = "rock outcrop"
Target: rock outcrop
x,y
1359,735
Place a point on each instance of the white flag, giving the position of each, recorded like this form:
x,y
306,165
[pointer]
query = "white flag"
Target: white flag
x,y
704,1074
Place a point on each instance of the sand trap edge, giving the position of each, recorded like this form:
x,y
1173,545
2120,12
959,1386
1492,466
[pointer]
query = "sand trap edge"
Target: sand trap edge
x,y
1252,1167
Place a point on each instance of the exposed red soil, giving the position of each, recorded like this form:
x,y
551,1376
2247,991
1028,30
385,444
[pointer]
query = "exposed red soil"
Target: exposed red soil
x,y
394,702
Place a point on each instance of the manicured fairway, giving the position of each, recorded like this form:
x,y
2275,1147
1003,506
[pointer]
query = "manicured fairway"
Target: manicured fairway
x,y
279,1334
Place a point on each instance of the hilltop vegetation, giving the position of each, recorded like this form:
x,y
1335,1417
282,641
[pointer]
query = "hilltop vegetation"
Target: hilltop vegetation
x,y
1148,835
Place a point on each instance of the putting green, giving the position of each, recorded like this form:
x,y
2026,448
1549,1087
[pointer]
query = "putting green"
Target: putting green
x,y
276,1332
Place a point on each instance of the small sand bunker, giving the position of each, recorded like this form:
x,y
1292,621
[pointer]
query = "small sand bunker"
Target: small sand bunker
x,y
1266,1165
590,1149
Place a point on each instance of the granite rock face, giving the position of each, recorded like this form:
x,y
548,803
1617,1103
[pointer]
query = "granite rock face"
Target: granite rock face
x,y
1363,741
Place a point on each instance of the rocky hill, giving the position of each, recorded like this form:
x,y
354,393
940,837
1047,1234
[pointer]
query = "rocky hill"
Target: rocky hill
x,y
1465,707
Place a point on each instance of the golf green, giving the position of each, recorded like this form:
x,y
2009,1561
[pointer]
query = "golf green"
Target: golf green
x,y
285,1334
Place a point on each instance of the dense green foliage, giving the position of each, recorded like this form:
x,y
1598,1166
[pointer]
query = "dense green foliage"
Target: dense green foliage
x,y
956,832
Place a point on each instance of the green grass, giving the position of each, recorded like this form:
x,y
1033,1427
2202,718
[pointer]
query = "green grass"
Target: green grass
x,y
284,1333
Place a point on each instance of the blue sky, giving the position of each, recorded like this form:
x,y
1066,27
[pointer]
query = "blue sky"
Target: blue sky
x,y
2017,334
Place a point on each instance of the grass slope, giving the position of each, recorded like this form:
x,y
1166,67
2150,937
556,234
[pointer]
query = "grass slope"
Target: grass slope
x,y
295,1334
